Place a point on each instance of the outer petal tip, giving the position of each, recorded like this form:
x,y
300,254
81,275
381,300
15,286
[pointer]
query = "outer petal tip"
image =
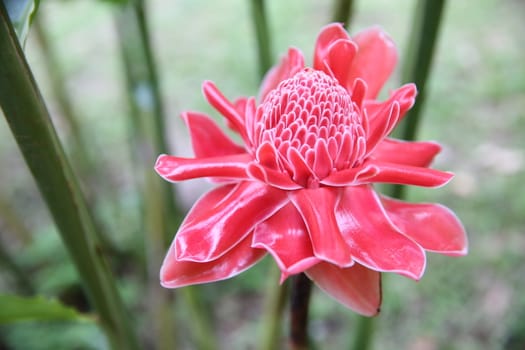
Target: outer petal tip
x,y
162,166
357,287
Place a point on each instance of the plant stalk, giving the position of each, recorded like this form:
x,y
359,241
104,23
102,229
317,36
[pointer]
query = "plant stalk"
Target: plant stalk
x,y
148,141
30,123
418,61
299,306
276,295
260,22
343,12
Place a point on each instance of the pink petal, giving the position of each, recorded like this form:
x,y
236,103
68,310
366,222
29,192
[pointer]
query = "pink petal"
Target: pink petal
x,y
174,168
272,177
383,117
375,59
300,170
395,173
350,177
373,240
223,217
290,64
339,60
433,226
224,107
412,153
356,287
175,273
240,104
284,236
207,138
316,207
323,163
328,35
249,118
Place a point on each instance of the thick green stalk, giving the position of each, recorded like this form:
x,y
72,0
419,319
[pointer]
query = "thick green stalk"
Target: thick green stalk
x,y
276,295
199,319
422,42
146,114
264,48
364,333
148,141
31,126
416,69
343,12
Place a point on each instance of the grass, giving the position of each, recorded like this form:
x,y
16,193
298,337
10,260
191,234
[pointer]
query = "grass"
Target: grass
x,y
475,105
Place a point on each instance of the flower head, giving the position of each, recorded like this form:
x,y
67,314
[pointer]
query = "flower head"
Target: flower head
x,y
301,185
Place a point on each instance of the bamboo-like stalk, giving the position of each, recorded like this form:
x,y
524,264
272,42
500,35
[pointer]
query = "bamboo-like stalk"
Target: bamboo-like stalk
x,y
276,296
162,214
145,108
29,120
417,63
423,38
343,12
264,49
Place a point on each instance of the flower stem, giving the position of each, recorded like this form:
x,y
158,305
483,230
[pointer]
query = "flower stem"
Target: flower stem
x,y
343,12
276,300
422,43
30,123
300,299
263,37
200,318
364,333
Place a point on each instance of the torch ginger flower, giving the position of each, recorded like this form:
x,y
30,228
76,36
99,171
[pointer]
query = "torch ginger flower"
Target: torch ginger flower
x,y
301,186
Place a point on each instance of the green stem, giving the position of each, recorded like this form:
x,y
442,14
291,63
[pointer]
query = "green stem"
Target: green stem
x,y
30,123
200,319
299,307
276,295
147,116
364,333
148,141
263,37
343,12
422,44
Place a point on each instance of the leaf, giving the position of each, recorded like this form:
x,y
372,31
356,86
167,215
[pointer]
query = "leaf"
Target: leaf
x,y
15,308
21,13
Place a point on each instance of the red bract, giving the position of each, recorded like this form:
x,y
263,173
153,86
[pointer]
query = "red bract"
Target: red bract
x,y
301,185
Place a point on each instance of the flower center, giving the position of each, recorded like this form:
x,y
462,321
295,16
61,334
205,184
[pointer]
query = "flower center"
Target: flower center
x,y
313,126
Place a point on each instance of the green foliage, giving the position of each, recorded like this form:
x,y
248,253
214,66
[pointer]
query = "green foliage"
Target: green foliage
x,y
15,308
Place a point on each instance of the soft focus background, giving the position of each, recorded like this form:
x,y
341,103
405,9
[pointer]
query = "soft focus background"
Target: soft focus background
x,y
475,109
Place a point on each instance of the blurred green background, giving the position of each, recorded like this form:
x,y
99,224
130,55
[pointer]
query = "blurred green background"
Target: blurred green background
x,y
475,108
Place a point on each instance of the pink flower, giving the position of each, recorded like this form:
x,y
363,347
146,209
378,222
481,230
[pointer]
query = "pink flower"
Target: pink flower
x,y
301,185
